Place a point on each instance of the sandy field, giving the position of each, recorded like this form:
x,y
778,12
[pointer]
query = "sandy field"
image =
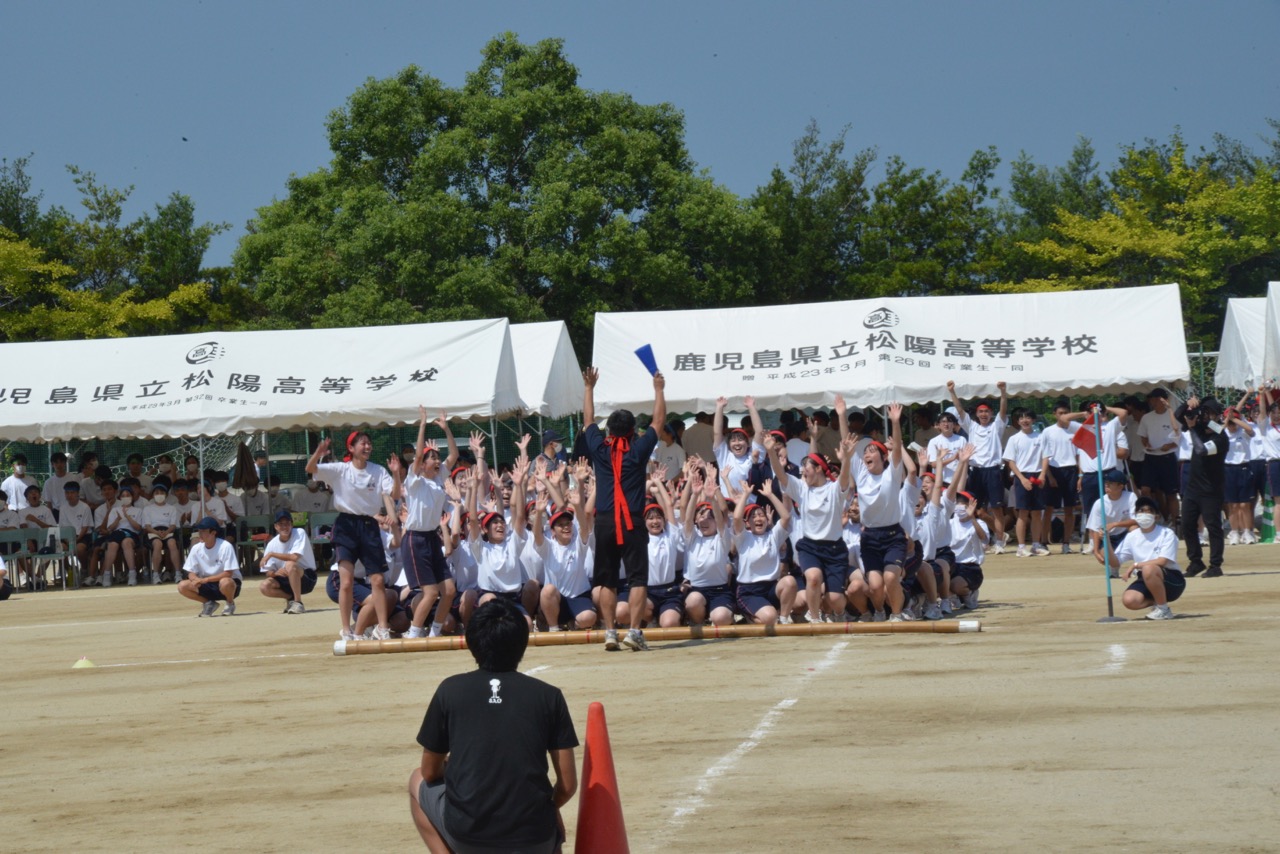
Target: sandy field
x,y
1047,730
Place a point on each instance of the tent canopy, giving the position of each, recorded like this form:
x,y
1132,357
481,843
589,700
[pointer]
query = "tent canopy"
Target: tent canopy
x,y
903,349
547,368
1271,333
220,383
1242,351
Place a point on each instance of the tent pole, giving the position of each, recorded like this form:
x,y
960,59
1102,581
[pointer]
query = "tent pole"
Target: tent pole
x,y
493,441
267,449
200,453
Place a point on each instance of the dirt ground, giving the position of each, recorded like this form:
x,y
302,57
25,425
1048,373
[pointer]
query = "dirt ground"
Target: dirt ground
x,y
1046,730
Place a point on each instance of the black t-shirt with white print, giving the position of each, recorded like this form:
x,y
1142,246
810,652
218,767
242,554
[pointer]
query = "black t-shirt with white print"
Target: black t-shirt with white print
x,y
497,729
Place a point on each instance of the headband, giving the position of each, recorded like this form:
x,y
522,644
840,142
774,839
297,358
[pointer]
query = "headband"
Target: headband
x,y
965,495
739,430
982,406
568,511
487,518
822,464
702,504
884,450
778,434
657,507
459,470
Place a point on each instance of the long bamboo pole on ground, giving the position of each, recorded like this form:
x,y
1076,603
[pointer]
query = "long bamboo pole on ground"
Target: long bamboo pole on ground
x,y
373,647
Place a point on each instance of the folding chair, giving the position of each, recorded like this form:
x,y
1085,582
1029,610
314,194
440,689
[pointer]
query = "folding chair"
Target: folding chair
x,y
252,534
7,538
62,541
316,523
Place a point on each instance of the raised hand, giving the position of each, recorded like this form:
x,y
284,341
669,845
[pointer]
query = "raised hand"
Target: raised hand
x,y
895,411
722,402
951,386
660,473
477,444
770,443
590,377
1002,385
967,452
840,405
749,401
324,447
393,464
523,443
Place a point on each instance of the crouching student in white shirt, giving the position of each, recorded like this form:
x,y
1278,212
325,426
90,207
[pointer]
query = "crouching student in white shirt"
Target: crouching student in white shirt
x,y
665,602
213,570
290,564
1118,502
760,553
565,598
497,549
1157,579
969,539
706,549
878,476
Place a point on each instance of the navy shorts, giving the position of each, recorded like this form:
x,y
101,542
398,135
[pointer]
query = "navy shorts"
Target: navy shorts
x,y
309,579
914,560
358,538
719,596
209,590
666,598
752,597
987,486
970,572
831,556
423,556
1175,583
1160,473
1258,477
1027,499
944,555
571,607
512,596
360,589
120,535
1065,493
632,553
882,547
1239,487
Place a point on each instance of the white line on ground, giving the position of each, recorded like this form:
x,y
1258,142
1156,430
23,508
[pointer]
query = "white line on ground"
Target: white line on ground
x,y
1119,657
538,669
693,802
204,660
94,623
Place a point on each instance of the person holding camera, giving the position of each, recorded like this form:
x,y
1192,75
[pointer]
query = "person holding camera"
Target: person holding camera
x,y
1205,482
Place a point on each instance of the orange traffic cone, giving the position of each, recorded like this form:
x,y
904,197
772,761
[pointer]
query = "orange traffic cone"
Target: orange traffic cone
x,y
601,829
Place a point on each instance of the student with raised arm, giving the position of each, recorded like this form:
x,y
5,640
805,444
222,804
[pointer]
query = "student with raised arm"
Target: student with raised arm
x,y
666,546
620,463
495,546
878,477
425,565
821,498
734,451
986,434
759,554
706,547
1238,494
565,598
361,492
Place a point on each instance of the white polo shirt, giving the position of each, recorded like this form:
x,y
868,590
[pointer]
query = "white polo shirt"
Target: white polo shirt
x,y
821,507
664,556
297,544
1158,432
760,555
878,494
1055,443
356,491
425,500
1140,546
706,559
565,567
78,516
986,440
205,561
1025,451
498,564
1119,510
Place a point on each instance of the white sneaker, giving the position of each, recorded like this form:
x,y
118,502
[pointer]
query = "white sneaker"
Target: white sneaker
x,y
933,612
414,632
611,640
209,608
634,641
784,620
898,618
866,617
1066,549
1023,551
1038,550
155,577
878,616
133,578
971,600
347,635
955,603
1204,538
813,618
1160,612
296,607
998,548
1233,539
106,579
945,606
381,633
1247,538
230,610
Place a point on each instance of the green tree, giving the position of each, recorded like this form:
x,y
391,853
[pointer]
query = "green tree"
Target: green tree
x,y
519,194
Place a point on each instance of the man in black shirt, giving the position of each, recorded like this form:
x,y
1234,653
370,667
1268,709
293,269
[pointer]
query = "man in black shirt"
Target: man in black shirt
x,y
1206,476
485,740
621,466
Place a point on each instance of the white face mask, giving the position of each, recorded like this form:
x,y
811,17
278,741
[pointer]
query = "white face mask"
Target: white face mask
x,y
19,470
1146,521
160,499
126,500
193,468
221,487
962,513
165,468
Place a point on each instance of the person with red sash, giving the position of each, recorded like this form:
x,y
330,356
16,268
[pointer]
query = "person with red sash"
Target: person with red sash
x,y
620,462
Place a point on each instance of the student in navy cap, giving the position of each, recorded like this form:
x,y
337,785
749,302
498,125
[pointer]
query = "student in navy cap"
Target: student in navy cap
x,y
290,564
213,571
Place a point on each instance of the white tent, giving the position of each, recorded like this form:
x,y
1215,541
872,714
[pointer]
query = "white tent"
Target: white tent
x,y
547,368
1271,346
223,383
901,349
1242,351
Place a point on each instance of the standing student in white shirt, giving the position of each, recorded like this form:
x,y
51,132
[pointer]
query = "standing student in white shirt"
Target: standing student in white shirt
x,y
361,491
53,492
213,571
15,485
289,563
947,443
986,469
1269,431
1062,477
1238,489
1029,466
1159,434
425,565
1115,447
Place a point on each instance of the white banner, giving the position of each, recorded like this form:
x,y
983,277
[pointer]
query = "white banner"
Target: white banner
x,y
900,349
221,383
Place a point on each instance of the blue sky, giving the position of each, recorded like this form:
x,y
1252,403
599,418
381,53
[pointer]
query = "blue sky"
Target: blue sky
x,y
114,88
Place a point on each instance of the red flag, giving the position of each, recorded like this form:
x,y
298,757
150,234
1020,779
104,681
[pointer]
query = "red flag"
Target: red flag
x,y
1084,439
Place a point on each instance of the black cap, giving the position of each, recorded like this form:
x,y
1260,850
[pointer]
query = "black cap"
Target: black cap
x,y
1158,392
284,514
1115,476
208,523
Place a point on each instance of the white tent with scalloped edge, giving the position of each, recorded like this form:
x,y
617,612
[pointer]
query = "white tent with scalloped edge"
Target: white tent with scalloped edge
x,y
547,368
1242,351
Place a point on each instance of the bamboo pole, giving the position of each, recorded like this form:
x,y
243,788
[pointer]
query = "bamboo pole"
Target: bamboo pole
x,y
754,630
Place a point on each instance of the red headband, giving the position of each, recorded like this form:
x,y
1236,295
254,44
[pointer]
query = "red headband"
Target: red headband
x,y
822,464
982,406
965,495
568,511
779,435
487,518
700,505
881,446
657,507
459,470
